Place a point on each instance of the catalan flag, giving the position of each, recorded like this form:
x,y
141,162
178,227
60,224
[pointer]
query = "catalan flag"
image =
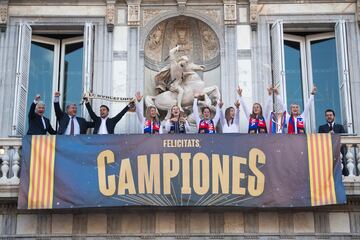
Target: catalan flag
x,y
41,182
321,169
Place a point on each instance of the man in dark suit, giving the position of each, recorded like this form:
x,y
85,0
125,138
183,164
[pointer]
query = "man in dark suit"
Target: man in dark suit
x,y
69,123
104,124
38,124
331,126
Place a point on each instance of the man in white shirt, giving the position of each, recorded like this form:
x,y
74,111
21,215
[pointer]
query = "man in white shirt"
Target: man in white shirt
x,y
103,124
69,123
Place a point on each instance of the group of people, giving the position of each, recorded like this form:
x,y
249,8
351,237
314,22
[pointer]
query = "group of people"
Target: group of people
x,y
259,121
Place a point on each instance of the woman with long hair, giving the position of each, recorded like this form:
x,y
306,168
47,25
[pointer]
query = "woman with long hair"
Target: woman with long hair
x,y
177,123
150,122
230,121
257,118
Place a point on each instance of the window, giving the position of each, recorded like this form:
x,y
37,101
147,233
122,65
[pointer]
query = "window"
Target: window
x,y
49,63
302,60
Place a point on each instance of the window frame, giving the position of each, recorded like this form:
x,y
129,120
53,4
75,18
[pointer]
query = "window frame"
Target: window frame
x,y
25,37
344,101
55,80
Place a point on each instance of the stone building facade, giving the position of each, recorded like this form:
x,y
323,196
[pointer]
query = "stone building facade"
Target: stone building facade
x,y
115,48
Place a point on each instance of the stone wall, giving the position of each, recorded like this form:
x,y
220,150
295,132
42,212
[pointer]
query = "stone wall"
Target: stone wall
x,y
190,223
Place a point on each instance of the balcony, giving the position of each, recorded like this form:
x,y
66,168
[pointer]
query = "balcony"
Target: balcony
x,y
10,157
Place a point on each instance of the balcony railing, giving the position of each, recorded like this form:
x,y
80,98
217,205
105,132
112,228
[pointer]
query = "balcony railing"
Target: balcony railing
x,y
10,156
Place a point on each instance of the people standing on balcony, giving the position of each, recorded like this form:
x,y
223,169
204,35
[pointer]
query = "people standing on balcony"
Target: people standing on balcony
x,y
295,120
257,118
69,123
103,124
150,122
230,120
177,123
206,124
38,123
331,126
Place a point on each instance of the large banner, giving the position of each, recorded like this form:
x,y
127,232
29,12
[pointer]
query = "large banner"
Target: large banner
x,y
180,170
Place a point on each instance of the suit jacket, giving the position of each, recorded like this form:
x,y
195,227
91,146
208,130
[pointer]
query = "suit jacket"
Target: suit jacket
x,y
36,126
64,119
110,122
338,128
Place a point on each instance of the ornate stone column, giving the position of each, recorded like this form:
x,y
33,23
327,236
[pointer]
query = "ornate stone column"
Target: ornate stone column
x,y
229,83
110,15
135,73
253,14
3,14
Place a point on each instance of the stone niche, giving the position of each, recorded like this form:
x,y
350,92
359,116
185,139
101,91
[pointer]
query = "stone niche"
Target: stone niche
x,y
199,42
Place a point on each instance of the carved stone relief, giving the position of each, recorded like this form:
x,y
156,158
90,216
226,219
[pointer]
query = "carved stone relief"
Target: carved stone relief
x,y
3,14
230,13
148,14
253,14
134,14
197,40
110,17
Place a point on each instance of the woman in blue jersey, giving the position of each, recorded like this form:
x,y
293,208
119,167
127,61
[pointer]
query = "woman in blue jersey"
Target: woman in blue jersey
x,y
177,123
206,124
150,123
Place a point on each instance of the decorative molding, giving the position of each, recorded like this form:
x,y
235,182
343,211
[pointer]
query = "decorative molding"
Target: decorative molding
x,y
253,14
244,53
4,7
134,12
230,15
148,14
181,5
110,15
120,55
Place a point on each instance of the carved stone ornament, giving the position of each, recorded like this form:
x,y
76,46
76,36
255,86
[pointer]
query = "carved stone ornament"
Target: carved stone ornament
x,y
181,5
149,14
253,14
230,13
134,14
3,15
110,17
198,41
358,11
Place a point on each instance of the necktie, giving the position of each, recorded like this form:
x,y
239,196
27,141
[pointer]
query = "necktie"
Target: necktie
x,y
72,126
330,127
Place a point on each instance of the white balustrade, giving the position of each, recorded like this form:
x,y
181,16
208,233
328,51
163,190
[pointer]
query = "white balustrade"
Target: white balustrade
x,y
9,161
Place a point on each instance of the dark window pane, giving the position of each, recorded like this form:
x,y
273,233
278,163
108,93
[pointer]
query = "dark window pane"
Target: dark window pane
x,y
325,77
73,73
41,75
294,92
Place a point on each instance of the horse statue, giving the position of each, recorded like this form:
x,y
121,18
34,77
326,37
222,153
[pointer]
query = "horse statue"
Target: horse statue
x,y
182,73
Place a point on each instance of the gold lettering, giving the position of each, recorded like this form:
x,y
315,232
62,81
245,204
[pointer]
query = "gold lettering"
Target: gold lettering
x,y
171,170
107,185
237,175
201,186
126,180
150,177
256,189
185,189
220,172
